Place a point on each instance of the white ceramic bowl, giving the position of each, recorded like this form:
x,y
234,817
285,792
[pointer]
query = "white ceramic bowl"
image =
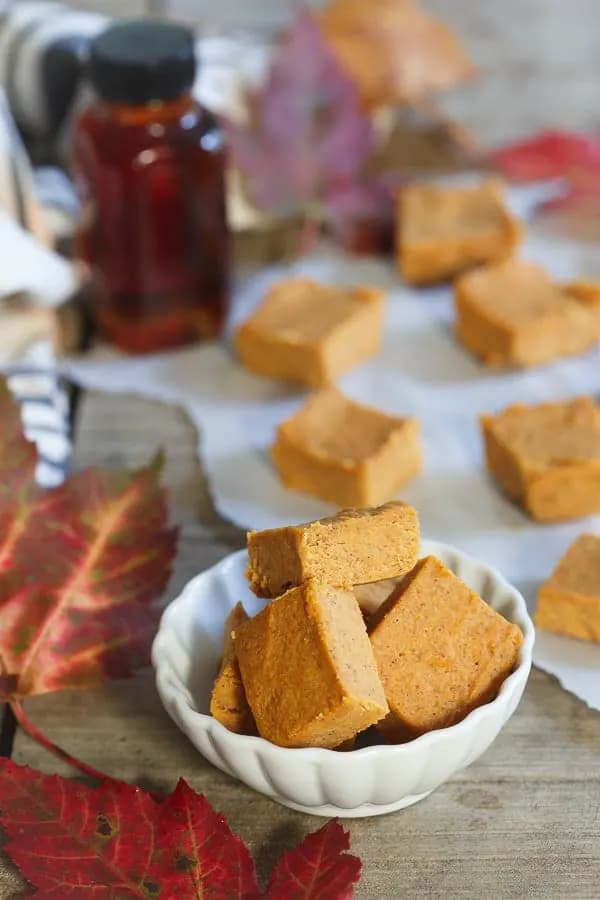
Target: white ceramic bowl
x,y
370,781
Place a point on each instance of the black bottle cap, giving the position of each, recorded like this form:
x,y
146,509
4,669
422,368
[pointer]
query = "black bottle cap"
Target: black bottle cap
x,y
140,61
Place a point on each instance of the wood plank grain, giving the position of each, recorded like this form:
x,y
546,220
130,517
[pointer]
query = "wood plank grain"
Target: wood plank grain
x,y
524,821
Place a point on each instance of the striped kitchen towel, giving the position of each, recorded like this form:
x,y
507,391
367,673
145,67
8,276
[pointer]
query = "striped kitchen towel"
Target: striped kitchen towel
x,y
33,279
45,401
43,52
43,48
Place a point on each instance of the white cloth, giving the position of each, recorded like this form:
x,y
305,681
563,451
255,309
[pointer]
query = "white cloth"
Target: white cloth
x,y
40,279
421,370
30,268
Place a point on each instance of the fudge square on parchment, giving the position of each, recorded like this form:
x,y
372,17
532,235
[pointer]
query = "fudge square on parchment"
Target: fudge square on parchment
x,y
444,230
569,602
513,314
547,457
311,333
346,453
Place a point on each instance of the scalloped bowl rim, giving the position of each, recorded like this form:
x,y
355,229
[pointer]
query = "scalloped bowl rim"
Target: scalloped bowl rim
x,y
519,616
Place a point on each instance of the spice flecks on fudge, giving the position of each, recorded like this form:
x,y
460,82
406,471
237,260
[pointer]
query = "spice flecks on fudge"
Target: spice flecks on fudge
x,y
440,651
353,547
308,668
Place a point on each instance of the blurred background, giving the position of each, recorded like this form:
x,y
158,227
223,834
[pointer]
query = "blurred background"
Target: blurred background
x,y
439,87
539,59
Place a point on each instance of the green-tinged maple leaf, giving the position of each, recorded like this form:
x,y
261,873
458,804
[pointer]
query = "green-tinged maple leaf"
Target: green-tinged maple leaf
x,y
72,841
307,139
79,568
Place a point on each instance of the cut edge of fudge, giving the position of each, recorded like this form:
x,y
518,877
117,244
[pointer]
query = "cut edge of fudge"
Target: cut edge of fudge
x,y
308,668
352,547
413,678
228,703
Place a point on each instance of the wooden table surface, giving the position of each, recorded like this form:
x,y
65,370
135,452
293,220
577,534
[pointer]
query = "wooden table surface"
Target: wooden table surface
x,y
524,820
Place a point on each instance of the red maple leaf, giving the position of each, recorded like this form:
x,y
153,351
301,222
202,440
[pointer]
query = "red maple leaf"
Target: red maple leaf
x,y
79,568
69,840
319,869
116,840
556,154
307,139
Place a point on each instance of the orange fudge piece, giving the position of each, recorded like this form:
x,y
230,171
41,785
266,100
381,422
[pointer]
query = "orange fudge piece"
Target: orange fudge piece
x,y
587,293
374,594
440,651
228,703
547,457
569,602
444,230
311,333
308,668
395,52
352,547
346,453
513,314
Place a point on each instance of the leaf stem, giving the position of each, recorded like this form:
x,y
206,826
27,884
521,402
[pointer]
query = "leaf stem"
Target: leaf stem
x,y
37,735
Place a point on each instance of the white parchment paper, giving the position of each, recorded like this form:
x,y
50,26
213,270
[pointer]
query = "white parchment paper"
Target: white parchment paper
x,y
421,370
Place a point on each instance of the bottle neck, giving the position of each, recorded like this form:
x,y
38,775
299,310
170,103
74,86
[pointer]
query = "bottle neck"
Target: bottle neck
x,y
156,111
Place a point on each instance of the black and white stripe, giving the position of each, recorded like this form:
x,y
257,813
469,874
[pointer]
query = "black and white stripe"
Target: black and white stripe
x,y
45,402
43,46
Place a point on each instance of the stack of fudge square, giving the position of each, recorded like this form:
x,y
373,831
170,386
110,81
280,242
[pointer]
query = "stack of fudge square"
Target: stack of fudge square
x,y
357,632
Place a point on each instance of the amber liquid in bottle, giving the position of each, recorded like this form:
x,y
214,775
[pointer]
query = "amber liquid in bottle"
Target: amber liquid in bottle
x,y
153,229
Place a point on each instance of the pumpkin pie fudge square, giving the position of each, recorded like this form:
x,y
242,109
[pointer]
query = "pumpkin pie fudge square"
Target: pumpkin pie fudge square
x,y
569,602
353,547
346,453
440,651
228,702
513,314
547,457
308,668
588,294
444,230
311,333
